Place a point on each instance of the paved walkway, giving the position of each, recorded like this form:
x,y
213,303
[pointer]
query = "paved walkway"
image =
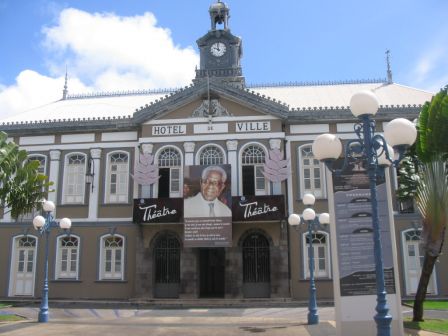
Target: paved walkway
x,y
173,322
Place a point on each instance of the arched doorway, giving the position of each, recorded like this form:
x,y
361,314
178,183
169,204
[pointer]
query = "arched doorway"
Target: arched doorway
x,y
167,266
23,266
256,266
413,261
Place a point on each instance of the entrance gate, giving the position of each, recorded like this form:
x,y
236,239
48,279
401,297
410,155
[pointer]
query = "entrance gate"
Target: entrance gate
x,y
167,267
256,268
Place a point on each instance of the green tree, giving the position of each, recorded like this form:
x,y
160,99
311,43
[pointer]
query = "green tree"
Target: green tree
x,y
21,184
432,190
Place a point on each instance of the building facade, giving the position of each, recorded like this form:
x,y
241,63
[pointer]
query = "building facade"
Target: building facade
x,y
126,167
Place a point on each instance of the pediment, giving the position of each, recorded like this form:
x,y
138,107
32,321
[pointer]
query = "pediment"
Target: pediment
x,y
215,99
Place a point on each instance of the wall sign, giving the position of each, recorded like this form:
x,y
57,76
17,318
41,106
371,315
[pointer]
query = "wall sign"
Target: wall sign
x,y
258,208
158,210
253,126
169,130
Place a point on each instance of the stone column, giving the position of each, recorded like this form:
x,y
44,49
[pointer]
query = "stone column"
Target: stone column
x,y
55,156
232,159
276,186
147,190
189,153
94,192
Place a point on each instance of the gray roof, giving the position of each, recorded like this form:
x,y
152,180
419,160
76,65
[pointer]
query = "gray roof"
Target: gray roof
x,y
280,99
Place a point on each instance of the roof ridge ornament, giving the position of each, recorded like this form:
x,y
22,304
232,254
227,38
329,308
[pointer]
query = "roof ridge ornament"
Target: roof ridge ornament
x,y
65,91
389,70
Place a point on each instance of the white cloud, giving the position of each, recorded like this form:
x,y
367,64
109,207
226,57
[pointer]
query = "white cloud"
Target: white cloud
x,y
103,52
431,68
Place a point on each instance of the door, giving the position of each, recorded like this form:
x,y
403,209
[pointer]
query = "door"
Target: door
x,y
167,267
413,261
256,266
23,266
212,272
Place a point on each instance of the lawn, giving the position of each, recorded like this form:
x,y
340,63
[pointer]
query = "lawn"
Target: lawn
x,y
3,305
435,325
432,305
10,318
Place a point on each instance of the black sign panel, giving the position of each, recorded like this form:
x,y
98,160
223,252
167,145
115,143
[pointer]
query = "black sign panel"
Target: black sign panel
x,y
353,210
258,208
158,210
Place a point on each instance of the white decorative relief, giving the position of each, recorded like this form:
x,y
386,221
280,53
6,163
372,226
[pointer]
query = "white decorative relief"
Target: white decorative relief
x,y
276,169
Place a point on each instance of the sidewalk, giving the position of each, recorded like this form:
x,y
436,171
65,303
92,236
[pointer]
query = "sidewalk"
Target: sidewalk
x,y
284,321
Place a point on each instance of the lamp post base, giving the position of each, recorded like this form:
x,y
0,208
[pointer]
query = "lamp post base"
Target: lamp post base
x,y
313,318
43,316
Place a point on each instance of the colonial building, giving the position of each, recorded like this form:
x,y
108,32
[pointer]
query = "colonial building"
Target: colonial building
x,y
125,165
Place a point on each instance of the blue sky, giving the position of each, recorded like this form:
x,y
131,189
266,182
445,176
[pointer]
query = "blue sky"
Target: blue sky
x,y
134,44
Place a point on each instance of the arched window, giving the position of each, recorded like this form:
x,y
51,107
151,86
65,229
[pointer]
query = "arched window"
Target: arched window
x,y
321,254
211,155
42,162
42,159
253,180
311,179
170,163
74,178
112,257
117,180
67,257
413,261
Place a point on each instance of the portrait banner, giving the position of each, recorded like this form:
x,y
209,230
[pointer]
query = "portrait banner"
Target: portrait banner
x,y
207,206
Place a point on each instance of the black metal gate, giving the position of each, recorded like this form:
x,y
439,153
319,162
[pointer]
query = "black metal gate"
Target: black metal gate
x,y
167,267
256,266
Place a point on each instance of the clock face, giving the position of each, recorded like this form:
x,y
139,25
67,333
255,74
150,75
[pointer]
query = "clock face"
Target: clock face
x,y
218,49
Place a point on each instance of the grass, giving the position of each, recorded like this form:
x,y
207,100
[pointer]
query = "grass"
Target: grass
x,y
432,305
435,325
10,318
3,305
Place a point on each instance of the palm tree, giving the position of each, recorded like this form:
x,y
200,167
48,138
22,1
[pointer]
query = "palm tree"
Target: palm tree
x,y
432,190
432,202
21,184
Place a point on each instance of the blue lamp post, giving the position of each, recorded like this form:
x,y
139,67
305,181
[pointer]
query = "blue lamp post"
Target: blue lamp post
x,y
309,218
374,152
44,225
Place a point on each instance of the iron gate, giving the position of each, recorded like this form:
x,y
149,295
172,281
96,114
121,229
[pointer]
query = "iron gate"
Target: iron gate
x,y
167,267
256,266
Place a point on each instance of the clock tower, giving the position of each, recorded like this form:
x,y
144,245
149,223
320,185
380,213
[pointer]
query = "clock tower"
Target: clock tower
x,y
220,50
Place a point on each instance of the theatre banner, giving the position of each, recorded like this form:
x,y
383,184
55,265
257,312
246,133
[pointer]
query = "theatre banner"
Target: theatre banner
x,y
353,211
157,210
258,208
207,206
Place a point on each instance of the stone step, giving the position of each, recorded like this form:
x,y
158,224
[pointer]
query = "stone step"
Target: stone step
x,y
144,303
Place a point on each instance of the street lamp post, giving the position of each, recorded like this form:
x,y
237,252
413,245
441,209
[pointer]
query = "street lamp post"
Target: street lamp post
x,y
43,226
375,152
309,218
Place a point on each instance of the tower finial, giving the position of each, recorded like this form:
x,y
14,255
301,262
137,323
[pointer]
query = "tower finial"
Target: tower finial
x,y
219,14
65,91
389,71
